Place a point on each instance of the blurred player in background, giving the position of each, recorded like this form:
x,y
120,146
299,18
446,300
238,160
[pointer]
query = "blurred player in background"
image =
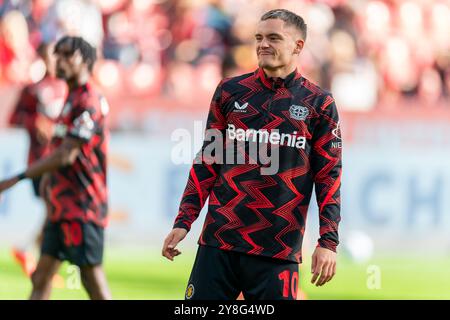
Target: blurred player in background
x,y
74,178
37,109
252,236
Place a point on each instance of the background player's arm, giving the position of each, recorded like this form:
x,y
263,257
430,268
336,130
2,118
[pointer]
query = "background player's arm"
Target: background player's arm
x,y
202,177
25,111
25,115
79,132
64,155
326,164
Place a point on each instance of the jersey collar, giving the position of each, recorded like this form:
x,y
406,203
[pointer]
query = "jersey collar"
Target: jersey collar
x,y
273,83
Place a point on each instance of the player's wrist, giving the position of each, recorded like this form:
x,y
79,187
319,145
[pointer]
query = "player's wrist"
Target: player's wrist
x,y
181,225
327,244
21,176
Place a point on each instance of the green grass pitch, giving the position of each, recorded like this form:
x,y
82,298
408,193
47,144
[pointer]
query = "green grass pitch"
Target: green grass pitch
x,y
144,274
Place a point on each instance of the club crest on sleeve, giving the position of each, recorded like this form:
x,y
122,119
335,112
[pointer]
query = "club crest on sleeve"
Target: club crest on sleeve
x,y
83,126
298,112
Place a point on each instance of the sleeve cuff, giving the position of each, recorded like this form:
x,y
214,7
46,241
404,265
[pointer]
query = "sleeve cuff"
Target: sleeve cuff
x,y
327,244
183,225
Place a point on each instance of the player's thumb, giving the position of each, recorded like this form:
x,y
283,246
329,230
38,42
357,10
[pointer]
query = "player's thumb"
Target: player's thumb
x,y
174,241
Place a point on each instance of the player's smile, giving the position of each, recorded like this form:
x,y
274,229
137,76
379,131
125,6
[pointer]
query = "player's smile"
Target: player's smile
x,y
265,56
265,53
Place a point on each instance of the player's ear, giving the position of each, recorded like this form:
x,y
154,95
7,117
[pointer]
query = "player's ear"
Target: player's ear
x,y
299,46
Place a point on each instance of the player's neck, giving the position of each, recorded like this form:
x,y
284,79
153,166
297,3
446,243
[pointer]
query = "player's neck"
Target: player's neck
x,y
79,81
282,72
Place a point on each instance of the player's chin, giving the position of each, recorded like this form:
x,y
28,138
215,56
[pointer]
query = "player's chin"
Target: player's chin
x,y
60,74
266,62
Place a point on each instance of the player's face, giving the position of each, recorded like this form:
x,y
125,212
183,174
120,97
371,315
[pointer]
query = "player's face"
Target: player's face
x,y
68,63
277,44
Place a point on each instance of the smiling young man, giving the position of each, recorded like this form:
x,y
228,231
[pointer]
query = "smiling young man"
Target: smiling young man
x,y
73,178
253,232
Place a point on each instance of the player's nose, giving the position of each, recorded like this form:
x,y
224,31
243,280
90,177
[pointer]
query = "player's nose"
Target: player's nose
x,y
264,43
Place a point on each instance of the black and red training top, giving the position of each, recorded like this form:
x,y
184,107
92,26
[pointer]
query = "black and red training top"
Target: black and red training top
x,y
265,214
80,191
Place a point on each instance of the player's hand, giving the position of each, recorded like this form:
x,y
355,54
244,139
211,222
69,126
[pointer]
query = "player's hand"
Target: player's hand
x,y
175,236
6,184
323,265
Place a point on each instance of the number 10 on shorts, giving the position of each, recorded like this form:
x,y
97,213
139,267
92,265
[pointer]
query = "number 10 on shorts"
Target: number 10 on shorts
x,y
290,283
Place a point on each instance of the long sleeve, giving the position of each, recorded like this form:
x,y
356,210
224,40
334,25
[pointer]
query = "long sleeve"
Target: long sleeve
x,y
203,173
25,112
326,162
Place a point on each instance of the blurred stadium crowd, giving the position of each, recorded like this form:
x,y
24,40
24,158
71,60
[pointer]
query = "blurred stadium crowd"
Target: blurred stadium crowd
x,y
370,53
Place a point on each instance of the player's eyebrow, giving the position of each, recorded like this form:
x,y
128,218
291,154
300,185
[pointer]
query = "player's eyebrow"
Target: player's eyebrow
x,y
273,34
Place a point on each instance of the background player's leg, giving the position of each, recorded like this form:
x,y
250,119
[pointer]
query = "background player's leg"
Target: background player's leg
x,y
22,254
42,277
26,258
94,281
89,256
40,236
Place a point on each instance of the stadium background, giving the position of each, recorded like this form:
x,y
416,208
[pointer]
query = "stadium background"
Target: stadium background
x,y
386,62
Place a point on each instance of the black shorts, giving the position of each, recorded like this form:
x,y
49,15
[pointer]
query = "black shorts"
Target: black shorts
x,y
36,182
79,243
222,275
